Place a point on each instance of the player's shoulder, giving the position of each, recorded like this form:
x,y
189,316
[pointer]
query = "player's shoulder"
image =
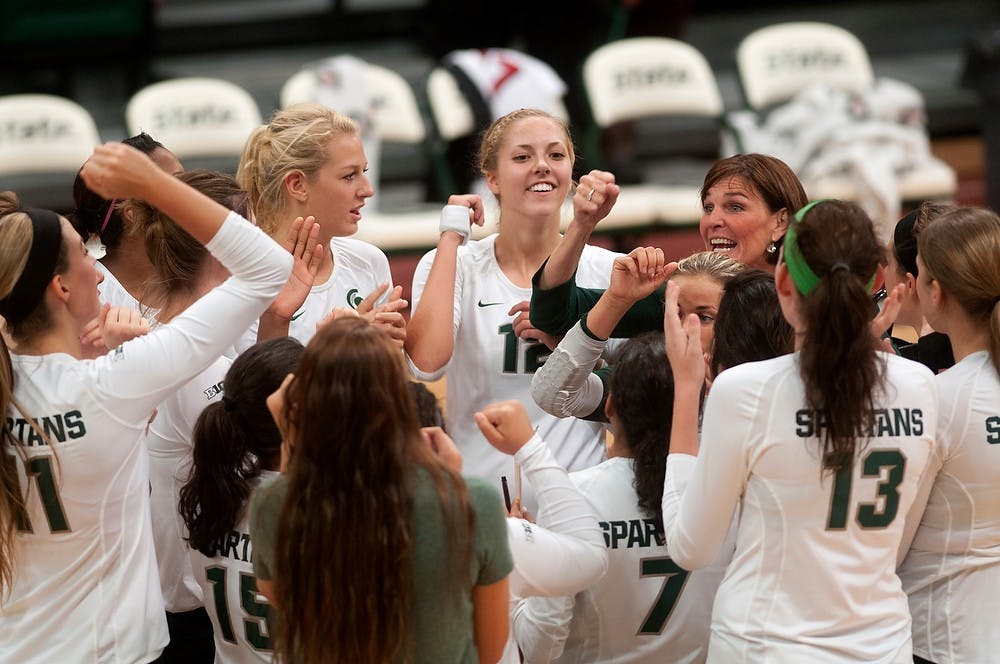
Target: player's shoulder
x,y
609,472
594,268
751,376
348,248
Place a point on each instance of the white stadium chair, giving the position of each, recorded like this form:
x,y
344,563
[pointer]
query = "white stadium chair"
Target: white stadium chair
x,y
648,77
44,141
777,62
195,117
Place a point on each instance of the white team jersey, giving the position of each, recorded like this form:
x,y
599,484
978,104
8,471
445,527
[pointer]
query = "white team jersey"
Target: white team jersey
x,y
952,570
358,269
646,608
812,578
112,292
85,585
489,363
239,613
170,444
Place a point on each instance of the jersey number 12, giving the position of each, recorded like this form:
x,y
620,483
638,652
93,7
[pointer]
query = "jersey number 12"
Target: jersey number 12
x,y
535,354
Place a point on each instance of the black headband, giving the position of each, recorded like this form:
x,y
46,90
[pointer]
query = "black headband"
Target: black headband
x,y
46,242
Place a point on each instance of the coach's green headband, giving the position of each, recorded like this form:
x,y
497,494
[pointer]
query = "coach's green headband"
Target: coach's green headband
x,y
803,277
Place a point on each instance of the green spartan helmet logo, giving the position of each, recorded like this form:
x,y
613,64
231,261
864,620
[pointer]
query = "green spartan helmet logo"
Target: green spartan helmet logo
x,y
354,298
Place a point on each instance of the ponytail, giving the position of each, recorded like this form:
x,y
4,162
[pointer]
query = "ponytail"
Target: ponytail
x,y
831,253
212,501
234,440
11,499
642,393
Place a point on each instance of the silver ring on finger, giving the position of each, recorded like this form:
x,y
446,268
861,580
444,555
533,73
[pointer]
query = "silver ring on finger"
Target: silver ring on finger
x,y
590,195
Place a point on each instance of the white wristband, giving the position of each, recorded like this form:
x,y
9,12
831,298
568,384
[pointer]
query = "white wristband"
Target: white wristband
x,y
455,218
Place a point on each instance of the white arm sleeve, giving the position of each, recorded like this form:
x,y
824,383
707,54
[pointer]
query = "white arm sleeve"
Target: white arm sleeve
x,y
142,372
574,556
561,556
564,386
697,514
541,627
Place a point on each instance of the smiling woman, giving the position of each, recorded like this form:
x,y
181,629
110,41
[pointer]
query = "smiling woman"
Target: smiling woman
x,y
471,302
308,161
747,200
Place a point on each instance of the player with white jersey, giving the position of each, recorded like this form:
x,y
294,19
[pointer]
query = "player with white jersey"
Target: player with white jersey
x,y
359,269
308,161
470,302
183,271
236,447
646,608
490,362
78,575
951,572
821,452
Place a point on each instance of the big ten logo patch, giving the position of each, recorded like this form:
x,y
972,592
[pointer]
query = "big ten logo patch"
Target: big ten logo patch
x,y
40,130
201,116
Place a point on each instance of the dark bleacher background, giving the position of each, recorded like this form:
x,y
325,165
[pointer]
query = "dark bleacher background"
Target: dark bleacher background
x,y
99,51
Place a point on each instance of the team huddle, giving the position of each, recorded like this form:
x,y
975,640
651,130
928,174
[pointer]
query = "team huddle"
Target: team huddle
x,y
218,444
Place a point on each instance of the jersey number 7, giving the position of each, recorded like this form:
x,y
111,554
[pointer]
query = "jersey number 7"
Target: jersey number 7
x,y
673,584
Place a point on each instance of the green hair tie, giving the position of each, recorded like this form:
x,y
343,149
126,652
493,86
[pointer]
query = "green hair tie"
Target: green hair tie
x,y
803,277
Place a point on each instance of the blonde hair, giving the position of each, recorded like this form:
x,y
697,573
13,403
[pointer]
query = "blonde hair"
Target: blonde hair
x,y
959,249
295,139
16,236
489,146
15,243
177,258
712,264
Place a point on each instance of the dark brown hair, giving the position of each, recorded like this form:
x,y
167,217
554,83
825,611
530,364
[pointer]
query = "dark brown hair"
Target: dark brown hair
x,y
750,326
838,361
355,443
90,210
234,439
642,394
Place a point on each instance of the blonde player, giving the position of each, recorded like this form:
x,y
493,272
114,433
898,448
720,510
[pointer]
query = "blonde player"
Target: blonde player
x,y
470,302
952,570
308,161
820,451
77,566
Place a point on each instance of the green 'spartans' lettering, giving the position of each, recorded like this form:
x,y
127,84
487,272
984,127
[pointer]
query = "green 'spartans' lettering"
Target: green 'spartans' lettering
x,y
886,422
631,534
60,428
993,430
